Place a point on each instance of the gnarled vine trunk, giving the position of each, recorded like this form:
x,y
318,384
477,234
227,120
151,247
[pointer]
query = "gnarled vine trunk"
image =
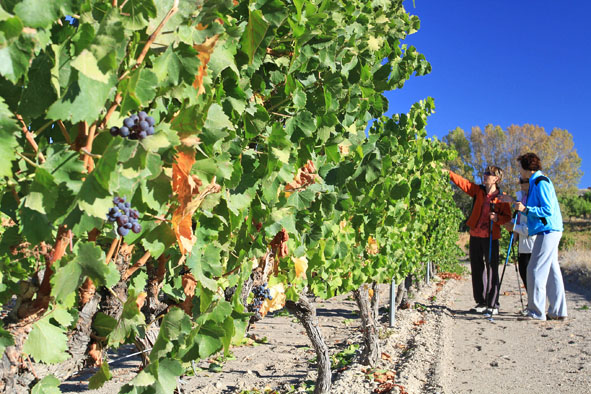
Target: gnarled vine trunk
x,y
306,314
17,374
371,347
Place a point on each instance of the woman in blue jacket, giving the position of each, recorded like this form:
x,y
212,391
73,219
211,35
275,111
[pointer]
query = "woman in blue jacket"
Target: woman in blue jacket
x,y
544,220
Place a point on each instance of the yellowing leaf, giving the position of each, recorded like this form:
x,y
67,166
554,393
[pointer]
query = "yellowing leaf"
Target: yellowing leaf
x,y
351,128
301,265
372,246
382,19
278,301
204,54
374,43
183,187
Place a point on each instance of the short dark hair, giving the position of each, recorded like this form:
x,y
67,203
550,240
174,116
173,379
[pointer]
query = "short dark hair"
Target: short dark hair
x,y
530,161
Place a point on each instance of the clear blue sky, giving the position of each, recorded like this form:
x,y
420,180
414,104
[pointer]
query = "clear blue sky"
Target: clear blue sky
x,y
504,62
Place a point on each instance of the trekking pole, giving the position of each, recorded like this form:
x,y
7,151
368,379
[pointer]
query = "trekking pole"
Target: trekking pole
x,y
490,234
504,267
518,276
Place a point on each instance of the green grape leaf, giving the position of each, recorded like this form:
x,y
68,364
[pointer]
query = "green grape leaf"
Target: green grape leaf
x,y
46,343
158,240
8,128
400,190
6,340
86,63
138,90
301,200
48,385
43,193
103,324
15,58
131,322
66,281
39,93
35,226
83,100
254,33
40,13
100,377
91,260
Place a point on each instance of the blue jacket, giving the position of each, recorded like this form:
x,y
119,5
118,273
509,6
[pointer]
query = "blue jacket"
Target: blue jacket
x,y
543,211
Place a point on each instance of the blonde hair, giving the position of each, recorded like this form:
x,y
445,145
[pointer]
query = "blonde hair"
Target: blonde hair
x,y
496,171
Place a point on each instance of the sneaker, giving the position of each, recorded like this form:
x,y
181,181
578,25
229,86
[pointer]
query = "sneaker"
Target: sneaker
x,y
491,311
561,318
478,308
529,317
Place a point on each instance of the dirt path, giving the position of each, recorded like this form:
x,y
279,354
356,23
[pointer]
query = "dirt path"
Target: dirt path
x,y
434,347
515,356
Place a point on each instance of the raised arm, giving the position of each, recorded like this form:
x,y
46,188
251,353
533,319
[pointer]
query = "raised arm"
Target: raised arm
x,y
465,185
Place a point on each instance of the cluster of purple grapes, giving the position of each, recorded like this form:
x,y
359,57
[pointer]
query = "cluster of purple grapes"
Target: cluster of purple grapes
x,y
126,218
135,127
261,293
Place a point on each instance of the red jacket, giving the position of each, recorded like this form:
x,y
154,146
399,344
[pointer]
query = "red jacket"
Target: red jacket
x,y
502,209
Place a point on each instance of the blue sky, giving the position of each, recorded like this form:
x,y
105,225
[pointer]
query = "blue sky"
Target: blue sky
x,y
504,62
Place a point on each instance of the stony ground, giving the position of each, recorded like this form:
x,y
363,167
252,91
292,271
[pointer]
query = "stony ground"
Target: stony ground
x,y
434,347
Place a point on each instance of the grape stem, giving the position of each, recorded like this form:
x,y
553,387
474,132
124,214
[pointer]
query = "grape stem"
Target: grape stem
x,y
112,108
88,162
30,138
64,132
138,264
114,246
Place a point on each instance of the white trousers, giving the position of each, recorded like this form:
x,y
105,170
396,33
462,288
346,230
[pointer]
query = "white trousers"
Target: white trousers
x,y
544,278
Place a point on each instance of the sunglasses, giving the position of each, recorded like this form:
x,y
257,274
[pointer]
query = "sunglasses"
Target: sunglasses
x,y
489,174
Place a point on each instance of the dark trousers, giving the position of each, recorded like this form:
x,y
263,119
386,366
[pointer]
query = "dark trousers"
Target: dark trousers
x,y
523,262
485,274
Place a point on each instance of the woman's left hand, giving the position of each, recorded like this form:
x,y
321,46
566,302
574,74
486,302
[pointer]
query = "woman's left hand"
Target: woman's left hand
x,y
519,206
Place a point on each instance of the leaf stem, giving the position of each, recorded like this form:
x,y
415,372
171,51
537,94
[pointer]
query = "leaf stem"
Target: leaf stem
x,y
42,128
171,12
28,160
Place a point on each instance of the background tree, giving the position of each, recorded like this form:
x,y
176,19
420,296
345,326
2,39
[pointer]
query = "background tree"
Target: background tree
x,y
495,146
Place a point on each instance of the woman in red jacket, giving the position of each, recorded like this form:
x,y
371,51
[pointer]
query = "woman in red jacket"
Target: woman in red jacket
x,y
486,208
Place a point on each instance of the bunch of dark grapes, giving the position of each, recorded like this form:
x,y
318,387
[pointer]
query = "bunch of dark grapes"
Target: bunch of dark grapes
x,y
126,218
135,127
261,293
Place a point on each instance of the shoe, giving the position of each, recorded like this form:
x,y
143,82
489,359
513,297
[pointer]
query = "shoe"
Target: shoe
x,y
491,311
560,318
529,317
478,308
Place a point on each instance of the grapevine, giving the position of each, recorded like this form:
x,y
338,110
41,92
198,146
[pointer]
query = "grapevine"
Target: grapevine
x,y
261,157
